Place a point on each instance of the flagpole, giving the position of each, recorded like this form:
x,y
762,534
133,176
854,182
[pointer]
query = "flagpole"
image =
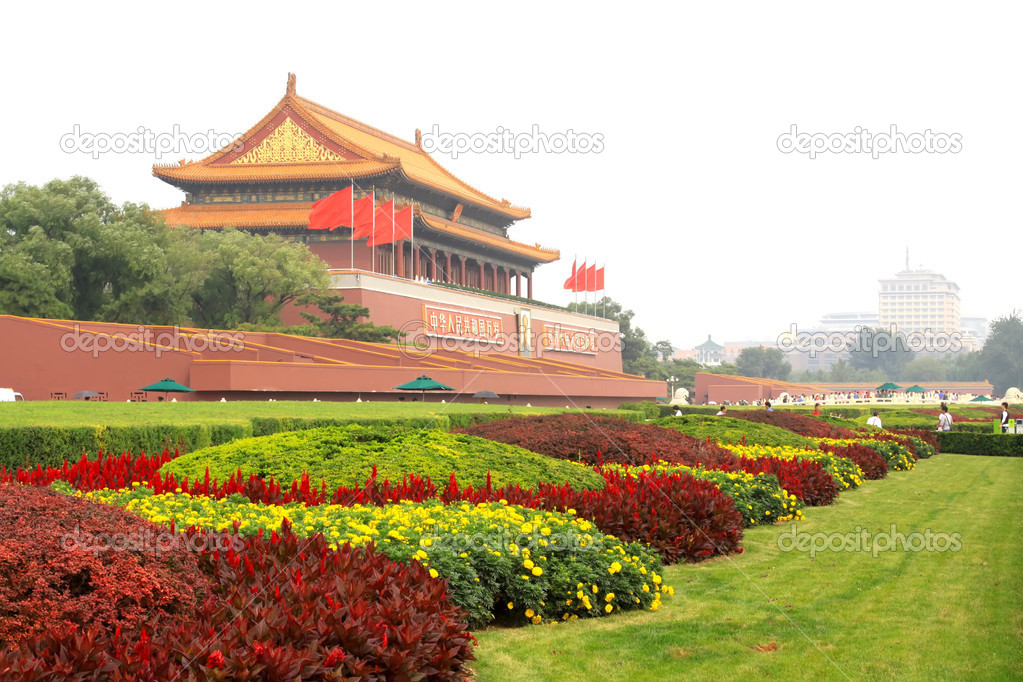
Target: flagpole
x,y
373,236
394,268
352,214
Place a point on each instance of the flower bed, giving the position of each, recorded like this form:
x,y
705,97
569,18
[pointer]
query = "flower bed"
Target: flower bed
x,y
492,553
896,455
597,439
731,430
797,423
844,471
280,608
758,496
867,459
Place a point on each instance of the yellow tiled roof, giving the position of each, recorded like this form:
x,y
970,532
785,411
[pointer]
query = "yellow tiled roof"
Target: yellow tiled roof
x,y
296,214
374,152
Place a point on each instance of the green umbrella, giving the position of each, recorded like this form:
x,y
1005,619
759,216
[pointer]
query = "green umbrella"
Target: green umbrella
x,y
916,389
424,384
981,399
168,385
888,387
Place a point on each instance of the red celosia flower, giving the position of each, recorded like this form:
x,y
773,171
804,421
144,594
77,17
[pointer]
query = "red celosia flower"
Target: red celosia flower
x,y
215,660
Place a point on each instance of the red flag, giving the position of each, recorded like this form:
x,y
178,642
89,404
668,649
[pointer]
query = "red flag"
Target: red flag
x,y
403,223
333,211
384,230
363,219
600,280
570,282
580,279
591,278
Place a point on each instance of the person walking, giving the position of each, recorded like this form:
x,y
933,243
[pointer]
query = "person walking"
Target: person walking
x,y
1005,417
944,419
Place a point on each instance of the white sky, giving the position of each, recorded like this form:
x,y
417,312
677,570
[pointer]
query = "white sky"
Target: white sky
x,y
704,226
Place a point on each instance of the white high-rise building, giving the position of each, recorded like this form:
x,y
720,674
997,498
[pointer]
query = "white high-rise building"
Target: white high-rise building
x,y
920,301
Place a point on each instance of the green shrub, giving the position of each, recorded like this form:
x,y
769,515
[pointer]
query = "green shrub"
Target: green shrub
x,y
992,444
346,456
648,408
731,430
28,446
267,426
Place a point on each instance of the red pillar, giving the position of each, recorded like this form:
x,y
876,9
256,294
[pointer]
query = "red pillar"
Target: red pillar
x,y
400,256
461,265
447,267
529,285
433,265
518,282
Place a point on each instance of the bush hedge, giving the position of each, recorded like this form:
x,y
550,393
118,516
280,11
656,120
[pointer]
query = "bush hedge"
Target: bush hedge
x,y
991,444
50,445
348,455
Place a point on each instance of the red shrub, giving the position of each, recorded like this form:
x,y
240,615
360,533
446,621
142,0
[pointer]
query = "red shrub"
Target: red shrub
x,y
801,424
281,609
868,460
596,439
65,559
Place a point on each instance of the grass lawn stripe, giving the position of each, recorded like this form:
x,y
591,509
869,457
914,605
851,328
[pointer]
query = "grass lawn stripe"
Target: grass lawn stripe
x,y
902,615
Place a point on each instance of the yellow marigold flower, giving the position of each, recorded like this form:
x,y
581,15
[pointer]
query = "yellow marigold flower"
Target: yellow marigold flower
x,y
537,571
609,608
537,620
609,596
434,573
528,563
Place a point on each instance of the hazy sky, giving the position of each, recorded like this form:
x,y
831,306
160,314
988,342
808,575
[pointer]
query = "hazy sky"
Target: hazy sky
x,y
703,224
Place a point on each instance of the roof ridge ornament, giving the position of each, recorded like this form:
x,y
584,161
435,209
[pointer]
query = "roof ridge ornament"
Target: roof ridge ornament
x,y
419,138
291,83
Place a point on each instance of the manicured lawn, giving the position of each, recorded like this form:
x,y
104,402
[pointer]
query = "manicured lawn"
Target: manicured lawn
x,y
81,413
842,615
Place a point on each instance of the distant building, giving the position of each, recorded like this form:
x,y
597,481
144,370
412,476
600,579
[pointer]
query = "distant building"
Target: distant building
x,y
709,353
920,301
848,322
975,328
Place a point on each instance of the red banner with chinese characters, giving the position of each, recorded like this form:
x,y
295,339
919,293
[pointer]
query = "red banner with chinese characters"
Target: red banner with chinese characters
x,y
465,324
569,339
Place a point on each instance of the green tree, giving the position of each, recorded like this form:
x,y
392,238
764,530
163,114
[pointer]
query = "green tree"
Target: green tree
x,y
638,357
342,319
1001,358
924,368
664,349
758,361
879,350
251,278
